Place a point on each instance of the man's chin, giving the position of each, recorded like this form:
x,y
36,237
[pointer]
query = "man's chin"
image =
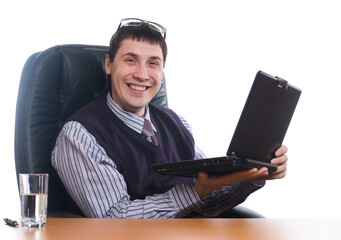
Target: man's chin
x,y
138,109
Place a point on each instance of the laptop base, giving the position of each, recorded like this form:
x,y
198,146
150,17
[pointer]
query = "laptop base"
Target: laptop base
x,y
212,166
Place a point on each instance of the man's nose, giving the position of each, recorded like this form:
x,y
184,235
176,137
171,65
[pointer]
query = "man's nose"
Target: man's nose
x,y
141,72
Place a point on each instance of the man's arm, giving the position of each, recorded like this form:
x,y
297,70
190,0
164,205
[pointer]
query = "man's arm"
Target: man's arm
x,y
244,188
230,193
92,180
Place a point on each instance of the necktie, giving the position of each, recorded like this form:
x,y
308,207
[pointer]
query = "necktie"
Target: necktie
x,y
148,132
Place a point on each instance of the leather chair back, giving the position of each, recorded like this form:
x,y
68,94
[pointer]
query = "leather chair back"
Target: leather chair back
x,y
54,84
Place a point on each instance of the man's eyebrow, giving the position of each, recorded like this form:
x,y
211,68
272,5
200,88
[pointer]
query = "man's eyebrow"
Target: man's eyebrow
x,y
131,54
155,58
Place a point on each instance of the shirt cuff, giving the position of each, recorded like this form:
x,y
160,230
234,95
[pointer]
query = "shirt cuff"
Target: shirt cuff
x,y
185,198
249,187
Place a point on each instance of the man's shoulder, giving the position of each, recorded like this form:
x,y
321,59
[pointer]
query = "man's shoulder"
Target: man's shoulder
x,y
165,113
161,109
90,110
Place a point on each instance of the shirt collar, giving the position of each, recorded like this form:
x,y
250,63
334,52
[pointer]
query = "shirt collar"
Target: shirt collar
x,y
132,120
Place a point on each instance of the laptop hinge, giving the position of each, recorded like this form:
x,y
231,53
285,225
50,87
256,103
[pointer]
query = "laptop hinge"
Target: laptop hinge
x,y
282,83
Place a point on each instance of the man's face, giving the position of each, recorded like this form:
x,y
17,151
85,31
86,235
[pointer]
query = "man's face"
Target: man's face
x,y
136,74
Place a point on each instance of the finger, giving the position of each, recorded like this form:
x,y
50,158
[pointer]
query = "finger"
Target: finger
x,y
252,174
280,173
244,174
203,175
280,160
281,169
281,151
230,178
276,175
263,174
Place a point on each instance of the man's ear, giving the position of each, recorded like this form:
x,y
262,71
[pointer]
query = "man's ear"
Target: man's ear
x,y
107,65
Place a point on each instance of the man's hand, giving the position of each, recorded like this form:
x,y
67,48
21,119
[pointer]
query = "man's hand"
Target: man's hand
x,y
205,184
281,161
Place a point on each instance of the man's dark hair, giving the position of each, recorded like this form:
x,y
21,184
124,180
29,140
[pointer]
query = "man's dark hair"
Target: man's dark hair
x,y
139,33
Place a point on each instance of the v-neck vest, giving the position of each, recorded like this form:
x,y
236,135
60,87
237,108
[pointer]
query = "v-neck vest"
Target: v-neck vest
x,y
132,153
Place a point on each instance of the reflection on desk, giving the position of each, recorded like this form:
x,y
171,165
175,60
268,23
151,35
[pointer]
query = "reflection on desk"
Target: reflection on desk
x,y
179,229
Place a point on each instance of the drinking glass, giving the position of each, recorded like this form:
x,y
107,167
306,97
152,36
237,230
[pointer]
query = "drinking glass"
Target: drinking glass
x,y
33,188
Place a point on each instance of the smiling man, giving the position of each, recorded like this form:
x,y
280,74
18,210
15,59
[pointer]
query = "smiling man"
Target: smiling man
x,y
136,74
104,151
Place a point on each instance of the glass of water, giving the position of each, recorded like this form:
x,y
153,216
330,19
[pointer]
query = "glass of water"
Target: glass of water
x,y
33,188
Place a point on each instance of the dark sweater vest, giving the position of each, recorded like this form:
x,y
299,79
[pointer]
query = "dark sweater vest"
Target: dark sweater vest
x,y
133,154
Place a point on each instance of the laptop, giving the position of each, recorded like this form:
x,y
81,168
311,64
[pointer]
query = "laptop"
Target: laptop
x,y
259,133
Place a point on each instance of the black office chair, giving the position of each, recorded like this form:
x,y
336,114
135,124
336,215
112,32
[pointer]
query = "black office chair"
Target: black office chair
x,y
54,84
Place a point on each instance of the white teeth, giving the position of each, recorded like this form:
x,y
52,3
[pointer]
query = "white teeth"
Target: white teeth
x,y
137,88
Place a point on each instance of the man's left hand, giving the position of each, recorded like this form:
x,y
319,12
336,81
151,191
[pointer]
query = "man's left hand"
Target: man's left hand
x,y
281,161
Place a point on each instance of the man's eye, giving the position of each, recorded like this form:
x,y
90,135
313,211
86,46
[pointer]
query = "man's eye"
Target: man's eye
x,y
130,60
156,63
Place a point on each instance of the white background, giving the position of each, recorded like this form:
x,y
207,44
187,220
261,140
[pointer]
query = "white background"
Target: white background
x,y
215,49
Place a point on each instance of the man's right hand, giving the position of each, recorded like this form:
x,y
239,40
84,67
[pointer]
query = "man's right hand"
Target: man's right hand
x,y
205,184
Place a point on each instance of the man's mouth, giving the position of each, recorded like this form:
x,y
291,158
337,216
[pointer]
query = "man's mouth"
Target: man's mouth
x,y
137,88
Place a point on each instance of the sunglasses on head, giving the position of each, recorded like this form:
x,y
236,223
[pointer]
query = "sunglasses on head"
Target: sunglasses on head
x,y
135,22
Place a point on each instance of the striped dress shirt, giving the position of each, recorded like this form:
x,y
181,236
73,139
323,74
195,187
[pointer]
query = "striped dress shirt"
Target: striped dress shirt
x,y
93,181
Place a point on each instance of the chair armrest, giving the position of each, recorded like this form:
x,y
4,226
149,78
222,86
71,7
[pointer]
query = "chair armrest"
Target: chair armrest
x,y
240,212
